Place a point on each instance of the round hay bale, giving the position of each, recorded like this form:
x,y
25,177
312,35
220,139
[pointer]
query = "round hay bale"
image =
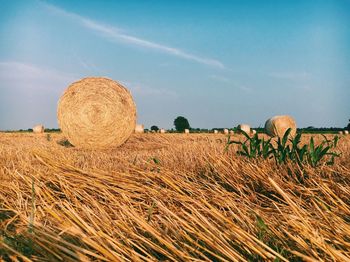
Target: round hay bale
x,y
216,131
226,131
278,125
162,131
187,131
340,132
96,112
231,132
346,132
243,127
139,128
38,129
253,132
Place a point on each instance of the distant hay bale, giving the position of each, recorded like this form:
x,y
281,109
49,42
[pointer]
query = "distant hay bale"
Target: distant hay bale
x,y
340,132
187,131
216,131
225,131
162,131
346,132
96,112
139,128
253,132
243,127
38,129
231,132
278,125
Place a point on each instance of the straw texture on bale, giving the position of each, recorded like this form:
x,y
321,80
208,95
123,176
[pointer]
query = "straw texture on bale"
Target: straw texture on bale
x,y
278,125
96,112
187,131
38,129
139,128
243,127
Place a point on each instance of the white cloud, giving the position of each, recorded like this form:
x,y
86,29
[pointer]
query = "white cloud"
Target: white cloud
x,y
295,76
14,74
142,90
220,78
116,35
228,81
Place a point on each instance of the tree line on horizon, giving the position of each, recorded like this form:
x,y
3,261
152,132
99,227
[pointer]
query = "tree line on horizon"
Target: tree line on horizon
x,y
181,123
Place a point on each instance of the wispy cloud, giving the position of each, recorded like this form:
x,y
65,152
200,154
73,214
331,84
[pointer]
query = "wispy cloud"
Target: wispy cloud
x,y
14,74
295,76
220,78
143,90
230,82
116,35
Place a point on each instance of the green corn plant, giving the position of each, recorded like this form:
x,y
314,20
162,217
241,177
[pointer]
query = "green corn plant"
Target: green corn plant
x,y
266,148
254,147
298,153
283,151
316,153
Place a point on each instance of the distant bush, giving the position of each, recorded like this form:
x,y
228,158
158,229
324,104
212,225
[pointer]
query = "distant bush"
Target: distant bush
x,y
52,130
181,123
154,128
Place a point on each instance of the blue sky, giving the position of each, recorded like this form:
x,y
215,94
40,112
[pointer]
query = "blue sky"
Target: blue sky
x,y
218,63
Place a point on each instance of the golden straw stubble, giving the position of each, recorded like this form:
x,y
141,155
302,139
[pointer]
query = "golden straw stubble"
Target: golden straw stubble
x,y
96,112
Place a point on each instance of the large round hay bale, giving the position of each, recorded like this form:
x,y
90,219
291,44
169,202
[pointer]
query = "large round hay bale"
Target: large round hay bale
x,y
243,127
278,125
139,128
96,112
38,129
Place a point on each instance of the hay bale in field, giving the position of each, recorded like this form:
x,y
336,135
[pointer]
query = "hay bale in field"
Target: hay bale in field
x,y
278,125
226,131
139,128
162,131
187,131
96,112
231,132
346,132
38,129
216,131
253,132
340,132
243,127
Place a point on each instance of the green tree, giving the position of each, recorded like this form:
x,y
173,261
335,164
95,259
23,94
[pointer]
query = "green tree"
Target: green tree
x,y
181,123
154,128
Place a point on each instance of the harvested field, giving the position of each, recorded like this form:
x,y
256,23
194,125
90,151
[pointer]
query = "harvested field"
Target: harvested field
x,y
173,197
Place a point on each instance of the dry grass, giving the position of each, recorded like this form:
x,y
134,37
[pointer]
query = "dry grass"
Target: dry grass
x,y
172,197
